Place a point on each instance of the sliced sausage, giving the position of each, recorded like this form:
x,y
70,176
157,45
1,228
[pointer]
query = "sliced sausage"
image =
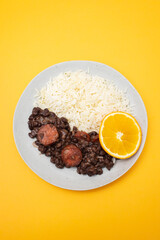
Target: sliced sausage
x,y
71,155
47,134
82,135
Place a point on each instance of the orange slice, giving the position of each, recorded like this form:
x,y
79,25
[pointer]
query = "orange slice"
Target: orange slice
x,y
120,135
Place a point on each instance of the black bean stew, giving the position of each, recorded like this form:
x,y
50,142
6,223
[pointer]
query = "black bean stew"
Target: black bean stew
x,y
66,147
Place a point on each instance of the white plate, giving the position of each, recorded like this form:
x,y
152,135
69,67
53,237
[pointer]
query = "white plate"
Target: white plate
x,y
40,164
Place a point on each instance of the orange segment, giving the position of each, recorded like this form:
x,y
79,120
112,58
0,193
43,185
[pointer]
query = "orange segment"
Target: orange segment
x,y
120,135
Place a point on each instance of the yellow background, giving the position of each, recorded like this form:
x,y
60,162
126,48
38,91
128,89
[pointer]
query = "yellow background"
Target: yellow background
x,y
37,34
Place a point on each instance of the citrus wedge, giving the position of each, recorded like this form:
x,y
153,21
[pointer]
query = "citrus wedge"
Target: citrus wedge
x,y
120,135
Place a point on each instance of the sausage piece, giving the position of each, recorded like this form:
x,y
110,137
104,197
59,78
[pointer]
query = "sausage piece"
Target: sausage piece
x,y
82,135
71,155
47,134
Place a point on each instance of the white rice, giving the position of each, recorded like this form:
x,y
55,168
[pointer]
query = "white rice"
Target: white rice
x,y
82,98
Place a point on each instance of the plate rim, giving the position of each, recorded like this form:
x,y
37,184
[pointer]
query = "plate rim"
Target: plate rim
x,y
101,185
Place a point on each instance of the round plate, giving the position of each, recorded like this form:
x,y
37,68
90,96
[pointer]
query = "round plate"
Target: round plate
x,y
40,164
